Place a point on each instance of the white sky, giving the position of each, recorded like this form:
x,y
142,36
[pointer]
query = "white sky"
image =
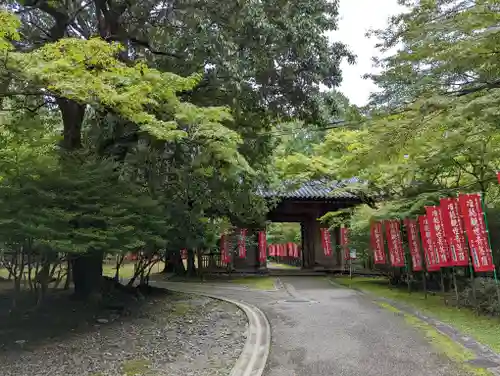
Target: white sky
x,y
356,18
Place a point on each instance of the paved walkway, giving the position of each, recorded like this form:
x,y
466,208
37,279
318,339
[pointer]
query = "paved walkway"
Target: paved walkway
x,y
320,330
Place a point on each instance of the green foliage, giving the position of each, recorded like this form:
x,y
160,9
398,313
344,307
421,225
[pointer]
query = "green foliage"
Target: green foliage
x,y
483,298
167,121
432,131
280,233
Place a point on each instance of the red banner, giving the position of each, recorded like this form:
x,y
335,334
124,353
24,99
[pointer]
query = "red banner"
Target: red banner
x,y
272,252
262,246
184,254
442,250
344,242
454,231
326,241
416,257
431,259
475,227
394,242
296,252
242,247
224,250
283,250
377,243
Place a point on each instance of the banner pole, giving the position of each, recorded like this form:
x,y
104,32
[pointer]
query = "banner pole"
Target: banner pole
x,y
455,285
471,268
442,287
491,248
423,258
405,249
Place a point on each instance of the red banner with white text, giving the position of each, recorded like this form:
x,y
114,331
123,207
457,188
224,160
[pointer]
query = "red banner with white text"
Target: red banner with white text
x,y
438,237
272,251
326,241
224,249
472,211
394,242
344,242
242,247
377,243
454,231
413,242
262,246
431,258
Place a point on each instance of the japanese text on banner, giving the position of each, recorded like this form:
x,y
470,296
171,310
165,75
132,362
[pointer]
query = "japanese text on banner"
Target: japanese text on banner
x,y
431,258
475,227
454,231
412,231
377,243
435,218
394,243
344,242
224,249
326,242
242,247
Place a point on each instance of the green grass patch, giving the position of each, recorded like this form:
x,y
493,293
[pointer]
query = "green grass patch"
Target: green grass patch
x,y
273,265
259,283
181,309
127,269
442,343
135,367
484,329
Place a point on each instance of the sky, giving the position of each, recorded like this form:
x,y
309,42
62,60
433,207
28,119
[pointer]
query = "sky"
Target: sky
x,y
356,18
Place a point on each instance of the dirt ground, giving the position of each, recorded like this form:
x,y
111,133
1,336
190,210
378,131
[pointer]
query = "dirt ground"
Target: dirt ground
x,y
156,334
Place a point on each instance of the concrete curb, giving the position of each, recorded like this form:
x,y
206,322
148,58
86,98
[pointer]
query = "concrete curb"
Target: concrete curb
x,y
253,358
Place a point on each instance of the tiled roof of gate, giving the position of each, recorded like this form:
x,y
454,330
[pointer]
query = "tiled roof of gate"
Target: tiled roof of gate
x,y
314,190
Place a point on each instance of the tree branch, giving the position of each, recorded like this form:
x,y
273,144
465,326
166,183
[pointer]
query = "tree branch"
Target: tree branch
x,y
146,44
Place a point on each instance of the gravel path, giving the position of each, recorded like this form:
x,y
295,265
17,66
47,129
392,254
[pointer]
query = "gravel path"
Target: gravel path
x,y
170,335
320,330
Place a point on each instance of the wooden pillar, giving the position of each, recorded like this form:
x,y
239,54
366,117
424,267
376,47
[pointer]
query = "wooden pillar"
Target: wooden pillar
x,y
311,242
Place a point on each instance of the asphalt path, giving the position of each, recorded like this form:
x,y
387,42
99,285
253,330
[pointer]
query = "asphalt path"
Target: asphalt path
x,y
318,329
321,330
325,331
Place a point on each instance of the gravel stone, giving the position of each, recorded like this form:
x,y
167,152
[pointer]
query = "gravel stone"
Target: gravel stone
x,y
174,334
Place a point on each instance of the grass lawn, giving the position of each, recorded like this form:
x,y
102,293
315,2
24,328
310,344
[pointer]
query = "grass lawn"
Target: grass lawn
x,y
484,329
259,283
272,265
127,269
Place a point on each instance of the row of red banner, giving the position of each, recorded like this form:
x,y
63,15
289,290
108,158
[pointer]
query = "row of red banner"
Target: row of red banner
x,y
287,250
282,250
443,232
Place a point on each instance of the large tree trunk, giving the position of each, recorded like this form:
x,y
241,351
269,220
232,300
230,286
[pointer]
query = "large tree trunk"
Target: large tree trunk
x,y
191,267
87,274
174,263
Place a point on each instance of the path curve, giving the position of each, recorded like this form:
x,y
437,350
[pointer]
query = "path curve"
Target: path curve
x,y
253,358
320,330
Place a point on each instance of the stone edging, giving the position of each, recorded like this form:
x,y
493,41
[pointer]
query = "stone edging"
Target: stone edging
x,y
485,356
253,358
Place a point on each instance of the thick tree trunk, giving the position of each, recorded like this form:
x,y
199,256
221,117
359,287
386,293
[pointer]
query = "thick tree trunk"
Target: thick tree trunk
x,y
87,273
72,115
174,263
191,267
